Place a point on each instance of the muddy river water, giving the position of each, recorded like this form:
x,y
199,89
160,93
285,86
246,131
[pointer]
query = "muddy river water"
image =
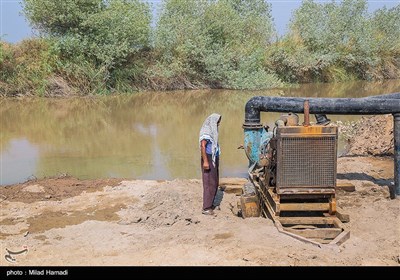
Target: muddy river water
x,y
145,135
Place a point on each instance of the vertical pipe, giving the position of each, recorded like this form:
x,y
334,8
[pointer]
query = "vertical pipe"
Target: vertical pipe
x,y
396,134
306,113
252,138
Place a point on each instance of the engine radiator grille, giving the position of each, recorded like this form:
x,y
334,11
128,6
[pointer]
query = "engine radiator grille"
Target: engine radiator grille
x,y
306,157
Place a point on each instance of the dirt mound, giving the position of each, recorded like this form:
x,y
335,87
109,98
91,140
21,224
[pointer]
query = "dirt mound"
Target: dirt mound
x,y
164,206
53,188
373,135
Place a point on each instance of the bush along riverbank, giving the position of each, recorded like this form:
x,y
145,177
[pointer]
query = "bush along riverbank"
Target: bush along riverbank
x,y
100,47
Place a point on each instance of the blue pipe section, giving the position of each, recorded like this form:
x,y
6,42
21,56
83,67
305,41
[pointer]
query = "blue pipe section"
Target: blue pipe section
x,y
255,143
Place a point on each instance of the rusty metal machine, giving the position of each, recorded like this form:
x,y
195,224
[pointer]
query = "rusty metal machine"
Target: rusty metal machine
x,y
293,171
292,167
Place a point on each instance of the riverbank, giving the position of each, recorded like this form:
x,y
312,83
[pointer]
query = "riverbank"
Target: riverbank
x,y
66,221
112,222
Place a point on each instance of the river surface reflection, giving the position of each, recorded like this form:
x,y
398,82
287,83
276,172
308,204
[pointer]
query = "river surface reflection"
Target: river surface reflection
x,y
147,135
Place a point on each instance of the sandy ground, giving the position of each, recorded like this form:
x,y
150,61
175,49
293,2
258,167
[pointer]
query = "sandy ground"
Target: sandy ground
x,y
68,222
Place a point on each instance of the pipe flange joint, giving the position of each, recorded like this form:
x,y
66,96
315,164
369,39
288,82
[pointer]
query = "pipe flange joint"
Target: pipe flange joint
x,y
252,125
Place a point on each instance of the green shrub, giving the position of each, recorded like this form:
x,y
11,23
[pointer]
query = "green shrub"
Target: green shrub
x,y
102,33
59,18
217,43
334,42
26,67
105,46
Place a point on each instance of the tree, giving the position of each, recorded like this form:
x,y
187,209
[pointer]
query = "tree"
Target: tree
x,y
106,31
338,41
386,30
222,41
333,27
60,17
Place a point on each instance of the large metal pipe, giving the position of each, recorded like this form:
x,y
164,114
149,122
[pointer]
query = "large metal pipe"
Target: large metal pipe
x,y
337,106
395,95
372,105
396,134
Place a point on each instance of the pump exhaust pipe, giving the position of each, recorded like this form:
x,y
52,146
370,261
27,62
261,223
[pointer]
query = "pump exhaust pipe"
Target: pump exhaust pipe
x,y
372,105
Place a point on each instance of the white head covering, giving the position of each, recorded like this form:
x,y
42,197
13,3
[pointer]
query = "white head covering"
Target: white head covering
x,y
209,131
